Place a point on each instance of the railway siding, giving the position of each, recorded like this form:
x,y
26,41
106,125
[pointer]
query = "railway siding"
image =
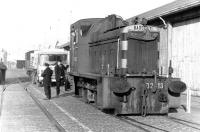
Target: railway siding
x,y
20,114
87,115
95,120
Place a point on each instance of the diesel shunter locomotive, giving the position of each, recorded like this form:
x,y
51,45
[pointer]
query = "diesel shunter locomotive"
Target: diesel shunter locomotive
x,y
115,65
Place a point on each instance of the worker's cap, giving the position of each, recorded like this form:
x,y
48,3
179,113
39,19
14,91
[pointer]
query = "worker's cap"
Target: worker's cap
x,y
46,64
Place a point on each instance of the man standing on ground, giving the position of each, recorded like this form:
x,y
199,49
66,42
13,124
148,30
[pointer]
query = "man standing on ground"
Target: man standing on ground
x,y
47,81
60,76
64,79
3,69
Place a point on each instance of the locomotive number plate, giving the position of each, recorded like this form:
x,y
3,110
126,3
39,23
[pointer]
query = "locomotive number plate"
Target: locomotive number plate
x,y
150,85
142,28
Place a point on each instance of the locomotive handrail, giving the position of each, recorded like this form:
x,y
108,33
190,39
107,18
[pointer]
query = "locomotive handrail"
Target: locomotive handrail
x,y
139,75
89,75
95,90
118,44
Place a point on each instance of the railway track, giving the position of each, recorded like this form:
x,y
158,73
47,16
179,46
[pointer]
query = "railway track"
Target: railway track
x,y
130,121
43,109
2,97
148,127
134,121
54,122
177,121
185,123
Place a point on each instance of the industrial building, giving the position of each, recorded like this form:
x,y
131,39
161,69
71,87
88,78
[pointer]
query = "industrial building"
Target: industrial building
x,y
20,64
180,40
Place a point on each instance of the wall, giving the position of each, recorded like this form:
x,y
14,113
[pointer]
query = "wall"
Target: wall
x,y
185,53
163,52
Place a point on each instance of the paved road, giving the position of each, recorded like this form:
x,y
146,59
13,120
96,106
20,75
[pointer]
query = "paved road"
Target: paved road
x,y
20,113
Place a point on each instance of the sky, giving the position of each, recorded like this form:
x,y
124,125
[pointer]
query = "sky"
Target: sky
x,y
31,24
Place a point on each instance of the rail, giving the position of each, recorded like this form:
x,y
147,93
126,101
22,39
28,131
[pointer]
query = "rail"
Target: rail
x,y
44,110
2,97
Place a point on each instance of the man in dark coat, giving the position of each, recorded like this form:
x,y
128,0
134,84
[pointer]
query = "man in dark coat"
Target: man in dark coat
x,y
47,81
3,69
60,76
64,79
67,84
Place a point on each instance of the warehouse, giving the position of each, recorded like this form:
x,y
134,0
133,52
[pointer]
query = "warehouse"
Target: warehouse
x,y
180,42
20,64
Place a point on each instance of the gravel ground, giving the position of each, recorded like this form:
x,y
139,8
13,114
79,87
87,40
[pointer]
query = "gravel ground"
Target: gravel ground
x,y
99,121
85,115
75,115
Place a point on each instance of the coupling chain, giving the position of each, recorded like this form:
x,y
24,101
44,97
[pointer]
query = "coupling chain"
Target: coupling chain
x,y
144,101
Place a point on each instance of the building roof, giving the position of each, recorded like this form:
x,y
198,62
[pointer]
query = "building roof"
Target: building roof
x,y
50,51
173,7
65,46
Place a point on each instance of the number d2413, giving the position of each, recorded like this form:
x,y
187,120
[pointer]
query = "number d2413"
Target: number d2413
x,y
151,85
